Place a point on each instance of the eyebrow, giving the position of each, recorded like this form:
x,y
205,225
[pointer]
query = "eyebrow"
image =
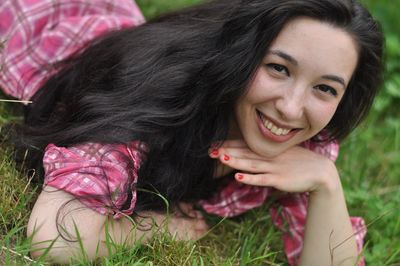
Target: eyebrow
x,y
335,78
285,56
293,61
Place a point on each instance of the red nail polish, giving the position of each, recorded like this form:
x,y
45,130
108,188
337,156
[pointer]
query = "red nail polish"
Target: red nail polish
x,y
215,152
226,157
240,176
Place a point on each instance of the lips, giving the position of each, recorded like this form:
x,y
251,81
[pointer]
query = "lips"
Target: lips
x,y
274,131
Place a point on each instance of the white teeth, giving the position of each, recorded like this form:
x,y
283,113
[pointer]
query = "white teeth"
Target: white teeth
x,y
273,128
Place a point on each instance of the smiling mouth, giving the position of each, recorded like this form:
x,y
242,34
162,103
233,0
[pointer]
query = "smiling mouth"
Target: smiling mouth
x,y
272,127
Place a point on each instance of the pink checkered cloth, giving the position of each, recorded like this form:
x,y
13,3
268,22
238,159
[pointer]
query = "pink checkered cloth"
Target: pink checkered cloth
x,y
41,32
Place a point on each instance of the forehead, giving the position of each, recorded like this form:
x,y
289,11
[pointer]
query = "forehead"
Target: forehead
x,y
318,45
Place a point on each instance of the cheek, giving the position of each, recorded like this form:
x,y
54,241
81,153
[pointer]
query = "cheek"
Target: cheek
x,y
322,115
258,87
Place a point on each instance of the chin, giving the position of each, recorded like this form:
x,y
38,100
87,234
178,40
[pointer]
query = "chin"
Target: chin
x,y
267,152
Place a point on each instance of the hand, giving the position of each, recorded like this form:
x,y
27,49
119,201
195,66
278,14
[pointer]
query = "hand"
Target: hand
x,y
184,223
295,170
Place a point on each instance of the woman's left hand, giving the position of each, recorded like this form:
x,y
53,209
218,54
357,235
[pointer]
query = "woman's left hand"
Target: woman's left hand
x,y
295,170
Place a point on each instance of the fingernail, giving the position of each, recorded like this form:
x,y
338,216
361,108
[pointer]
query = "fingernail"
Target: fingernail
x,y
215,152
226,157
240,176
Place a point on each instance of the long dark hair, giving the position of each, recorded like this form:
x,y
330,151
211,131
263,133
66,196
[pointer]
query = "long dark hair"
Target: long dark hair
x,y
172,83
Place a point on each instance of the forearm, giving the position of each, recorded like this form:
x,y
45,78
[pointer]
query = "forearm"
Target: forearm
x,y
57,212
329,236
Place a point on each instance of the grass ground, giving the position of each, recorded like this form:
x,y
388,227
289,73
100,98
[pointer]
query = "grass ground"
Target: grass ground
x,y
369,164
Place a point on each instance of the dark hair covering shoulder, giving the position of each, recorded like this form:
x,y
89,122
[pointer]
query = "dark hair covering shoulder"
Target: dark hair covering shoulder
x,y
173,83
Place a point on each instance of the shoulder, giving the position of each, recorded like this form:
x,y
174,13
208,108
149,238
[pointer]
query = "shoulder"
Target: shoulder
x,y
94,154
102,176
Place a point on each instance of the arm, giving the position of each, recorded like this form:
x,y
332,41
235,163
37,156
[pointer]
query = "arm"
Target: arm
x,y
300,170
77,196
93,228
328,235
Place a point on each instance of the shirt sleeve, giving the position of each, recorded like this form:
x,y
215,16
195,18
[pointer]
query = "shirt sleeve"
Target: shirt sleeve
x,y
38,34
235,198
102,177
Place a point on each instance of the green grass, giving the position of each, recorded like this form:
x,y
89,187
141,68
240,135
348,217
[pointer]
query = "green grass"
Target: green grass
x,y
369,164
152,8
370,170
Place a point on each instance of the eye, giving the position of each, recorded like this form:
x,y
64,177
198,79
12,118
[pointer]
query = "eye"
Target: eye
x,y
278,68
327,89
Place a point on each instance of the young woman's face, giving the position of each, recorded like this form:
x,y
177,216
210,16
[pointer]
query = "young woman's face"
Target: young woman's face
x,y
297,88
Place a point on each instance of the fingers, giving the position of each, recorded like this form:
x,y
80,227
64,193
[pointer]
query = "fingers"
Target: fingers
x,y
294,170
184,209
235,148
268,180
255,180
236,155
187,228
245,164
279,182
244,153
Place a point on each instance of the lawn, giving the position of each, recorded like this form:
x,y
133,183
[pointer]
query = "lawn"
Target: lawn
x,y
369,165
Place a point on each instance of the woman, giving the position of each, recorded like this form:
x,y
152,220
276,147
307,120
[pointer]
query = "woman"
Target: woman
x,y
191,106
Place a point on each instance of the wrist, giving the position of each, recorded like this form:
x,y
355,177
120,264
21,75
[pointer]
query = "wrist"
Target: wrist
x,y
330,181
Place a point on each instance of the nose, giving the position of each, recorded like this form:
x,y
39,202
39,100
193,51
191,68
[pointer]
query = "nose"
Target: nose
x,y
291,104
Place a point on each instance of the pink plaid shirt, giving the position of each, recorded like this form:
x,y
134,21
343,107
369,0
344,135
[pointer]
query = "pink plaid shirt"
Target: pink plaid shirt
x,y
39,33
36,33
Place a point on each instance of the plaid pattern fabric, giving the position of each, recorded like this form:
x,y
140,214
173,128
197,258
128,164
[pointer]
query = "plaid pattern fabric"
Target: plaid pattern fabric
x,y
36,34
39,33
102,177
